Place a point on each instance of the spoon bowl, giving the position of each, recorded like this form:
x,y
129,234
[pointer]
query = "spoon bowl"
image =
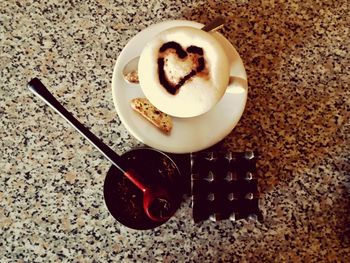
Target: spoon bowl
x,y
132,207
158,199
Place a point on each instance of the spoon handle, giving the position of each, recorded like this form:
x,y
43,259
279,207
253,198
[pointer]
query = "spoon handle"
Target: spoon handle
x,y
38,88
214,25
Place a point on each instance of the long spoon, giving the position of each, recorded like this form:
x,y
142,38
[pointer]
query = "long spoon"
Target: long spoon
x,y
157,200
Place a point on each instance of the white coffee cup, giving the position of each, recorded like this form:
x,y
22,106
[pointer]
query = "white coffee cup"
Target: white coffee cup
x,y
184,71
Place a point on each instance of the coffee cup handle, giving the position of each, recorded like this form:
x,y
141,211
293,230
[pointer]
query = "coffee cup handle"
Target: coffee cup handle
x,y
237,85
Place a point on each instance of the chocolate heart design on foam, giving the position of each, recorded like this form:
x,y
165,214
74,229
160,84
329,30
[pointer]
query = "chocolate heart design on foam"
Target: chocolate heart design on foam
x,y
199,64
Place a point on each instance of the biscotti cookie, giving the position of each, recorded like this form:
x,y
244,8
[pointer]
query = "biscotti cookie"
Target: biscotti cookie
x,y
161,120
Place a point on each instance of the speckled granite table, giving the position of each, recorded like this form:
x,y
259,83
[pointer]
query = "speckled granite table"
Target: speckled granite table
x,y
51,202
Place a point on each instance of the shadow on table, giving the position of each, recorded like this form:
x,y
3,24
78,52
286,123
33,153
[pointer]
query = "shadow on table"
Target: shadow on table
x,y
293,114
296,110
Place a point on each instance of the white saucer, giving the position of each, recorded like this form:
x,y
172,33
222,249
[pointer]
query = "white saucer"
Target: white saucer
x,y
188,134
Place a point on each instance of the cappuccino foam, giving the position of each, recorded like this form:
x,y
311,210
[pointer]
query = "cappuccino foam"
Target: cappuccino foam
x,y
183,71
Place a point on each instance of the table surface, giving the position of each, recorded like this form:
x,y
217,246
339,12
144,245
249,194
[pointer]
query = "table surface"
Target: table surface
x,y
296,55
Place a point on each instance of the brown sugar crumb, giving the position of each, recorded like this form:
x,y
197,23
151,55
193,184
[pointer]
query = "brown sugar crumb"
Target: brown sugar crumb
x,y
132,77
